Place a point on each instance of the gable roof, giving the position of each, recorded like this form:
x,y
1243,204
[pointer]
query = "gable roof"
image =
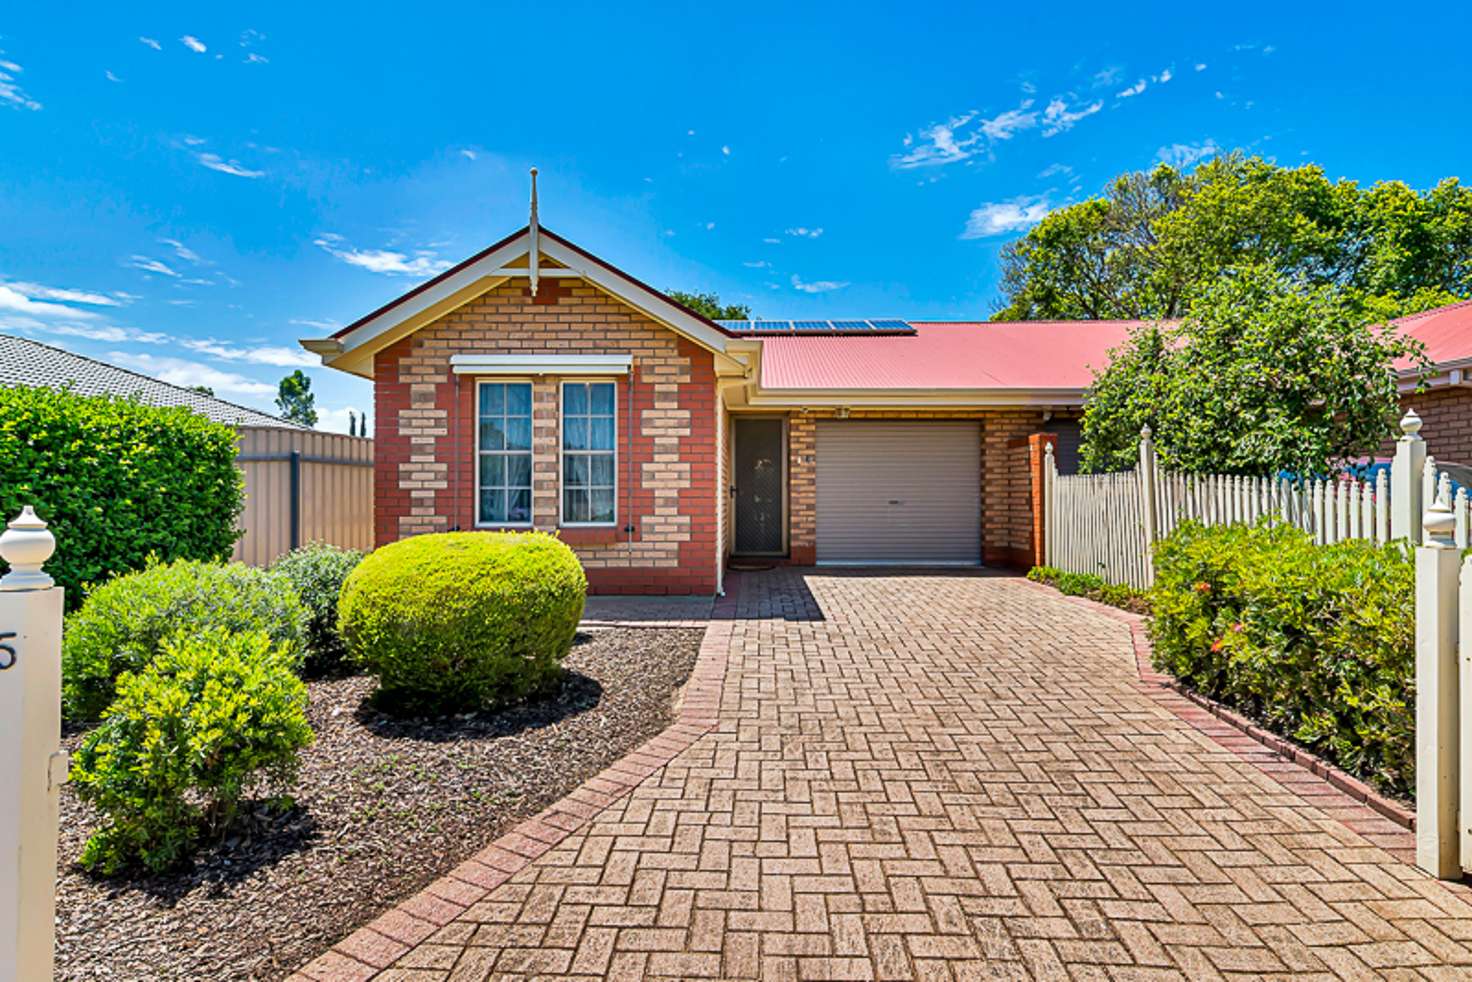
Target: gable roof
x,y
351,347
31,363
1445,331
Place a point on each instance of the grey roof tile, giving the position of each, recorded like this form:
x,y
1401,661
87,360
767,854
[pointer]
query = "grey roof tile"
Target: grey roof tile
x,y
27,362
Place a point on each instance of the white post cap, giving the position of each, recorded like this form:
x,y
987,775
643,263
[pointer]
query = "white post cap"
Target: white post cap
x,y
26,544
1440,522
1410,423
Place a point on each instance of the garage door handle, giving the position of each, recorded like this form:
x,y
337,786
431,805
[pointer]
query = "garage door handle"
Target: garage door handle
x,y
895,501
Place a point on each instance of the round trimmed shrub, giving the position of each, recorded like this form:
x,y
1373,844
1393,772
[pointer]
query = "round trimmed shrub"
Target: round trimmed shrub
x,y
211,717
463,620
318,570
124,622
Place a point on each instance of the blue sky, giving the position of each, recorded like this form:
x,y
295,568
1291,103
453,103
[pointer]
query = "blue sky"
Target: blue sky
x,y
187,189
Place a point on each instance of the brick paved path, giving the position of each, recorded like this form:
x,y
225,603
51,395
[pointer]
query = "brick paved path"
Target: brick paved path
x,y
939,777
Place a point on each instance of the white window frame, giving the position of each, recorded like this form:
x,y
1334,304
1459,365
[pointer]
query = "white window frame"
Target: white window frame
x,y
562,451
531,452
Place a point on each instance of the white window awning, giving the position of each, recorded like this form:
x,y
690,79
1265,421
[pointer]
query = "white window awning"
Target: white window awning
x,y
541,364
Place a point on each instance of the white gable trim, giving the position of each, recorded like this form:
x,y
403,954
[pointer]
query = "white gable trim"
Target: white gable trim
x,y
353,350
541,364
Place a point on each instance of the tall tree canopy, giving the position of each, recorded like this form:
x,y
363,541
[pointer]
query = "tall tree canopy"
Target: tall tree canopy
x,y
295,400
709,305
1156,240
1263,374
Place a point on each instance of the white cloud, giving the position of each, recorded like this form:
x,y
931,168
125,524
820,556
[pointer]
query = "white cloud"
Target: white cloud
x,y
1000,217
710,226
10,89
336,420
318,325
15,301
179,371
35,291
281,357
1132,91
772,240
818,286
1108,77
152,266
961,137
193,44
111,77
726,151
385,261
151,43
184,252
1183,155
1164,76
1201,66
256,59
803,232
469,154
110,333
1003,125
1058,118
214,162
1055,170
757,264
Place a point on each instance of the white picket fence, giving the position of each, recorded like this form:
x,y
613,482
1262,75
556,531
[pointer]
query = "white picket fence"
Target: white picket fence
x,y
1105,524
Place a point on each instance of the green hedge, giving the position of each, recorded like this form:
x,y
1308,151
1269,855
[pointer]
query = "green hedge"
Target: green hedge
x,y
118,481
463,620
317,571
125,621
212,717
1317,642
1089,585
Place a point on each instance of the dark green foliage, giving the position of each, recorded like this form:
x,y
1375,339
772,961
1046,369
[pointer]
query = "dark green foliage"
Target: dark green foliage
x,y
709,306
295,401
463,620
317,571
118,481
1090,586
209,719
123,623
1264,374
1317,642
1153,241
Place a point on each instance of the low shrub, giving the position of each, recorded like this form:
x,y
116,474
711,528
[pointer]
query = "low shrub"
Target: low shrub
x,y
1090,586
124,621
118,481
211,717
317,571
1317,642
463,620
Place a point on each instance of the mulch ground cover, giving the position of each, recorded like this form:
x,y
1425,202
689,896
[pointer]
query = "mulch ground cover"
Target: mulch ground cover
x,y
383,807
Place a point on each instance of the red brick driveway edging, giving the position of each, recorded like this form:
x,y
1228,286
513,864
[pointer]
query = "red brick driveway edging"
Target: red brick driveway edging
x,y
378,944
1367,812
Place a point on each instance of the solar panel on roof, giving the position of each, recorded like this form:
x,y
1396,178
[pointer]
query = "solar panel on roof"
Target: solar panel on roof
x,y
816,327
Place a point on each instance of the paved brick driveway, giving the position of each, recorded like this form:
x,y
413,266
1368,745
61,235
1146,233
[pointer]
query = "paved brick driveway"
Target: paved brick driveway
x,y
943,777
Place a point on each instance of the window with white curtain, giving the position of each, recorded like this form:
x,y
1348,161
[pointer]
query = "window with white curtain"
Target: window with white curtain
x,y
504,454
589,454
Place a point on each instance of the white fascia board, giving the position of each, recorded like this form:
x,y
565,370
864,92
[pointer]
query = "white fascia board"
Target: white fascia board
x,y
483,268
541,364
638,297
959,399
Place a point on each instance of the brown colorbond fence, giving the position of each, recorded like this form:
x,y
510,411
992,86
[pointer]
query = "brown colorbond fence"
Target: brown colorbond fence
x,y
303,486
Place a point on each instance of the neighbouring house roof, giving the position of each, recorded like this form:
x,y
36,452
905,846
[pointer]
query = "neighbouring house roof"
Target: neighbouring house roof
x,y
31,363
959,355
1445,331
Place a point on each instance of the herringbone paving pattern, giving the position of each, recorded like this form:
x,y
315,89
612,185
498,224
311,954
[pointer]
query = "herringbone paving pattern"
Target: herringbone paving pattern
x,y
949,777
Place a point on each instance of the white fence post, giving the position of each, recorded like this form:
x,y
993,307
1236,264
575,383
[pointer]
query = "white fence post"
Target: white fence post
x,y
1438,742
1050,511
32,765
1405,481
1147,485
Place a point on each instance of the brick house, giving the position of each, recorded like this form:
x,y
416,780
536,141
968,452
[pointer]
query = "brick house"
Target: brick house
x,y
537,386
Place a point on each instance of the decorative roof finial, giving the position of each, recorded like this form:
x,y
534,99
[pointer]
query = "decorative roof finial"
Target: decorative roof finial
x,y
534,252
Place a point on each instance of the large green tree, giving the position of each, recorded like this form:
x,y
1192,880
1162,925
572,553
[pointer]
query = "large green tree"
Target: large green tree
x,y
295,400
1155,240
709,306
1264,373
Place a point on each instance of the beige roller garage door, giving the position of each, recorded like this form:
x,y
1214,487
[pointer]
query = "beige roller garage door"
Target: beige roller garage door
x,y
901,492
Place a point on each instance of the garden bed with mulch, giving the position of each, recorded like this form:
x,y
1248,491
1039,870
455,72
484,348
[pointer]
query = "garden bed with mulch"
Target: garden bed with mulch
x,y
382,808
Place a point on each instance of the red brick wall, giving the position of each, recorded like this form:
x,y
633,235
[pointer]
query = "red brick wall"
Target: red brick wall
x,y
1446,423
425,431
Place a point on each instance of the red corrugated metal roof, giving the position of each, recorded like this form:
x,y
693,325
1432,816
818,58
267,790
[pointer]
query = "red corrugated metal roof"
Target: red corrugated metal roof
x,y
947,355
1446,332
